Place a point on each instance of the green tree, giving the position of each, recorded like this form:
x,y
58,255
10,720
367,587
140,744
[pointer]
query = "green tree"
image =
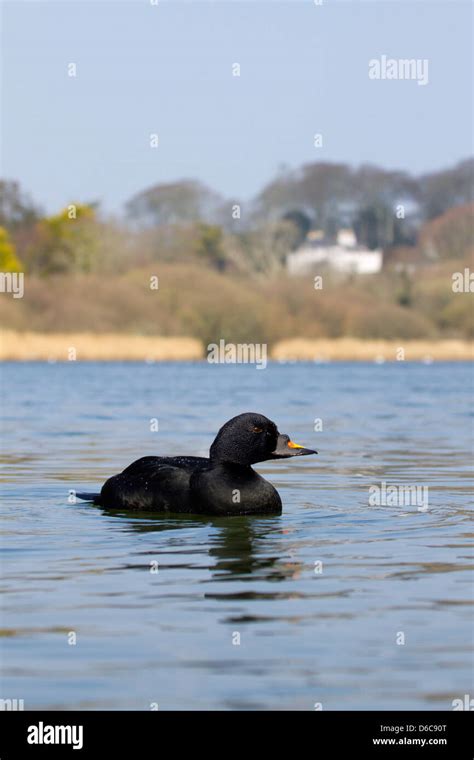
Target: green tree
x,y
68,241
375,226
9,261
300,224
209,245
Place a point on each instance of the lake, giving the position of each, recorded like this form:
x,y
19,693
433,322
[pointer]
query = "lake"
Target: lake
x,y
339,603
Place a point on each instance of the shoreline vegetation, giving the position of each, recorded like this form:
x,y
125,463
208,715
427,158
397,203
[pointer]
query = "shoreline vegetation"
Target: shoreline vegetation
x,y
87,346
179,269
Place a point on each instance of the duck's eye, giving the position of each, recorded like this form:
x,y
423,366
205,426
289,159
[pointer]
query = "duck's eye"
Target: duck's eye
x,y
257,430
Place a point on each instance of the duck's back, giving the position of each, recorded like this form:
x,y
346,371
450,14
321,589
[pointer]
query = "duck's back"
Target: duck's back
x,y
148,464
158,484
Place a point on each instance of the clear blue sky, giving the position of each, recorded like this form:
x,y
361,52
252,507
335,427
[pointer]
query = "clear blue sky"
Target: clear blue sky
x,y
143,69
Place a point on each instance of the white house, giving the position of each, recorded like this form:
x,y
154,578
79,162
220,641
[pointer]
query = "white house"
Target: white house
x,y
344,255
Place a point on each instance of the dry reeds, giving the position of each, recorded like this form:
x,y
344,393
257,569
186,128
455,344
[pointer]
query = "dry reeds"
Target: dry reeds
x,y
353,349
30,346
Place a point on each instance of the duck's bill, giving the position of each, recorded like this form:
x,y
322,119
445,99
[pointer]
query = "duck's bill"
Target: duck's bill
x,y
286,448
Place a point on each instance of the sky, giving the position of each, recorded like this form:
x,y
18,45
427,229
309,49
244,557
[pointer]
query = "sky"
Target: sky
x,y
166,69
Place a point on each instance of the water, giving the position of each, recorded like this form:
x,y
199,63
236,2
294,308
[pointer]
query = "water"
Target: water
x,y
168,638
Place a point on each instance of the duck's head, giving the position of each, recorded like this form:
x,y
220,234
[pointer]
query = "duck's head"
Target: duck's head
x,y
250,438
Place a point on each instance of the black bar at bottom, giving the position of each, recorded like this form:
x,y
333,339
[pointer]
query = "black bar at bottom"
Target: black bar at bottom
x,y
427,734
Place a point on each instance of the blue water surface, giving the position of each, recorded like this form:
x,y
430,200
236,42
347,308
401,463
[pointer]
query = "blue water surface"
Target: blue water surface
x,y
338,603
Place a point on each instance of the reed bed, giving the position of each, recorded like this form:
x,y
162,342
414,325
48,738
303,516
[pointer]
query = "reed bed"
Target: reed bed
x,y
31,346
352,349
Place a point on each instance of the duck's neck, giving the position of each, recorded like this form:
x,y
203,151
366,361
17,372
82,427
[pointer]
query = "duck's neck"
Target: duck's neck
x,y
229,464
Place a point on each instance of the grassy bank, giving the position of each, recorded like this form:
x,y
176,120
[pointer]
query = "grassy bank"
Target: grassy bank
x,y
195,302
30,346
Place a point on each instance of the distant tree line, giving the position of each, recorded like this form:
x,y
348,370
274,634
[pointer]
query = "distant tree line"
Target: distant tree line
x,y
185,221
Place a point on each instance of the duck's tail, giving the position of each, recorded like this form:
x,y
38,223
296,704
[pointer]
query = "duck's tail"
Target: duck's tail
x,y
88,496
